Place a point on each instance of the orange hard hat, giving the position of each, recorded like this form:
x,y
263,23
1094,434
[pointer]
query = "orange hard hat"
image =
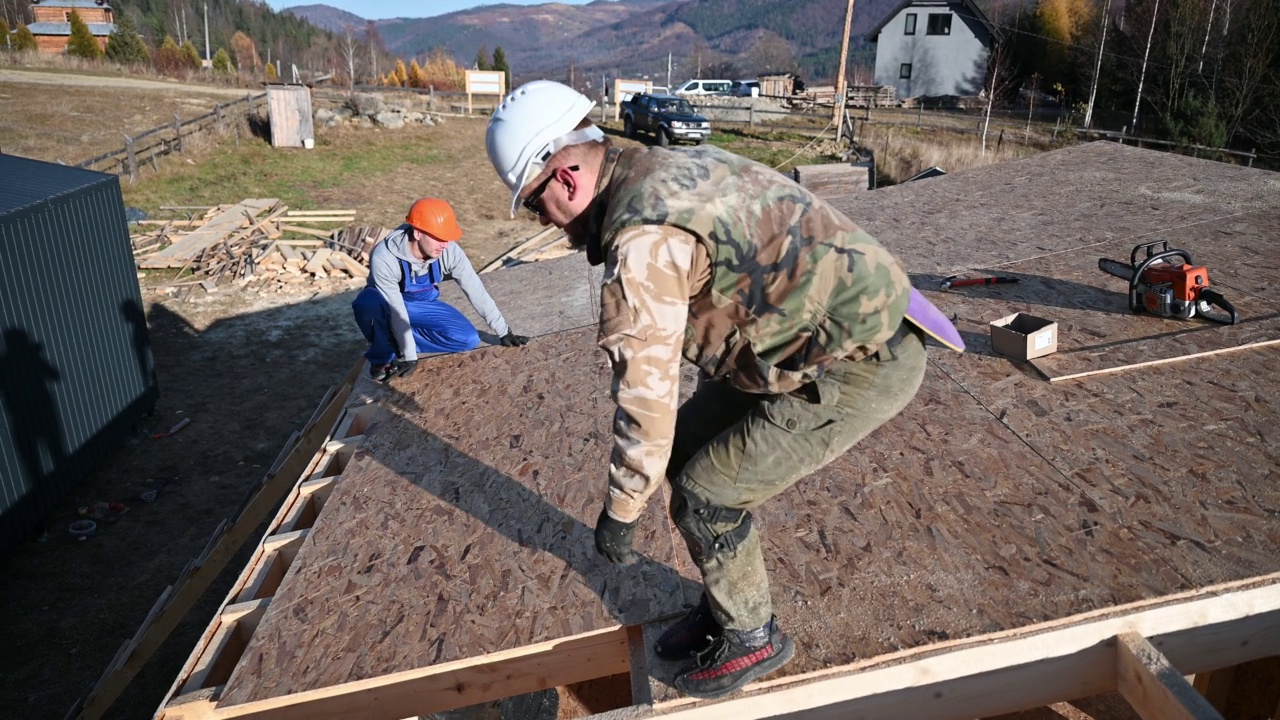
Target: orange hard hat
x,y
435,217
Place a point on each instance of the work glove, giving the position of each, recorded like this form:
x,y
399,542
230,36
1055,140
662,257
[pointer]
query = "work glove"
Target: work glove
x,y
513,340
613,539
400,368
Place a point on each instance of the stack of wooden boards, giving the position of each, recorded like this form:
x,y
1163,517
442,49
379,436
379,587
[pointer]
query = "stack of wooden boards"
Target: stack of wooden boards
x,y
259,244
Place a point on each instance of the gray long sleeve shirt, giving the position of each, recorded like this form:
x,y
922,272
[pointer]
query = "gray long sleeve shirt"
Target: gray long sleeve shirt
x,y
384,274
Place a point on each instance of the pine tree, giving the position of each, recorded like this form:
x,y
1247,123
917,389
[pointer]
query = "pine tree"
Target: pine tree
x,y
222,61
500,63
482,58
4,28
191,56
82,43
125,46
23,40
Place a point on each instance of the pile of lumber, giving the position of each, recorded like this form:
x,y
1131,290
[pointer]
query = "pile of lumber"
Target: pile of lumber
x,y
258,243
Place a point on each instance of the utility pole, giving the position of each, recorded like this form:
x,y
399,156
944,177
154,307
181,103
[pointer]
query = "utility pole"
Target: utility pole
x,y
837,112
668,72
1133,126
1097,65
208,56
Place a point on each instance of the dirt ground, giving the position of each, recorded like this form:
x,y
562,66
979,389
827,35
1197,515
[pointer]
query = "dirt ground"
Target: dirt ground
x,y
246,370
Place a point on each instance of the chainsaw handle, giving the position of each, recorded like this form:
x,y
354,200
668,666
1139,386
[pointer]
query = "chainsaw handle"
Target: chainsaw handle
x,y
1150,247
1215,298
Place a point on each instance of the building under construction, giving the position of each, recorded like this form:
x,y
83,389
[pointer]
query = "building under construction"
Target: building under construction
x,y
1094,533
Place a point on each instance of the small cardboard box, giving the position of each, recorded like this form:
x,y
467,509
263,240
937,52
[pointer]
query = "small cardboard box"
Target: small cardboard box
x,y
1024,336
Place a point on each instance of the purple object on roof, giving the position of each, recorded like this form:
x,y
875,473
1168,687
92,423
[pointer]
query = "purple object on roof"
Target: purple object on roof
x,y
924,315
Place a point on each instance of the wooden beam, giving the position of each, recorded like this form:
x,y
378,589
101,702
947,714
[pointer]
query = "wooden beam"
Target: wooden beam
x,y
496,263
326,234
1012,670
1048,374
436,688
257,507
1155,689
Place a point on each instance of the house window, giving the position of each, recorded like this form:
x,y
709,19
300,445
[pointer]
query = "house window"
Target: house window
x,y
911,24
939,24
904,71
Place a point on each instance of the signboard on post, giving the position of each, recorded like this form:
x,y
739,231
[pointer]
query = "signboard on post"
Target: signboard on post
x,y
485,82
624,89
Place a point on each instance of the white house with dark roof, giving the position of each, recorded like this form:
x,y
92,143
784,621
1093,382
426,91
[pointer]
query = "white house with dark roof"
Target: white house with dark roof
x,y
933,47
51,24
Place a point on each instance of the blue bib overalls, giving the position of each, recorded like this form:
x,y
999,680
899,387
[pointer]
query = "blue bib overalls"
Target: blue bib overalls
x,y
438,327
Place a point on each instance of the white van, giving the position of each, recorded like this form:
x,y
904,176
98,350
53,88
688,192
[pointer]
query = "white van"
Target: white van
x,y
705,87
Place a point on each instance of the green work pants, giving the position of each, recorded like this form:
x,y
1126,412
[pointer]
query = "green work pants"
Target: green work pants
x,y
734,450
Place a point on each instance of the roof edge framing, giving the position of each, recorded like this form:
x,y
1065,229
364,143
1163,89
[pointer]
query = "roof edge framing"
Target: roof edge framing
x,y
1141,650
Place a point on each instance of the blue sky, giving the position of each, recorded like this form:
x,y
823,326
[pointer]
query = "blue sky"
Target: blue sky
x,y
380,9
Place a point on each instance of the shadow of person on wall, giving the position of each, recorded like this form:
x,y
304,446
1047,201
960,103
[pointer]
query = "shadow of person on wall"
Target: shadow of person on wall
x,y
137,319
25,377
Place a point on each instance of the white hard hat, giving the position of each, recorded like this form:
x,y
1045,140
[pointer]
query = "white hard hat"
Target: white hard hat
x,y
533,123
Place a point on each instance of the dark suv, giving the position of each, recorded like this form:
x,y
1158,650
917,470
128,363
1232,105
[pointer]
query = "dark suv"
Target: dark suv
x,y
669,118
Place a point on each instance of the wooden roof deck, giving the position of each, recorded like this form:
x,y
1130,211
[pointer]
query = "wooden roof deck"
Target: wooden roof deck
x,y
462,526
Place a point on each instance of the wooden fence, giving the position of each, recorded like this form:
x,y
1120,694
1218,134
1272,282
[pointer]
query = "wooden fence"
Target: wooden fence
x,y
146,146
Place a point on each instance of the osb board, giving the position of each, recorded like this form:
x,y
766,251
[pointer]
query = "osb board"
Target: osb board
x,y
1053,202
968,515
1096,329
463,526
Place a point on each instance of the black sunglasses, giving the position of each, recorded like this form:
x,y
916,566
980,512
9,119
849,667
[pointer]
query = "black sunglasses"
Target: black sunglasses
x,y
530,203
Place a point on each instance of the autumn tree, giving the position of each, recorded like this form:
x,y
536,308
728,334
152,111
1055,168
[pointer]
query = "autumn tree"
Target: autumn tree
x,y
271,73
246,53
82,43
416,78
168,58
441,72
4,28
125,46
1061,23
392,80
222,62
23,40
402,73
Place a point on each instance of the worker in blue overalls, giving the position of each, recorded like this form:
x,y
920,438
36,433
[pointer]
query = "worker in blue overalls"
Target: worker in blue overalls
x,y
400,311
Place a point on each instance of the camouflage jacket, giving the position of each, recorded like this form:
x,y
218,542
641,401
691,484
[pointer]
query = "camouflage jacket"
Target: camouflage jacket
x,y
743,272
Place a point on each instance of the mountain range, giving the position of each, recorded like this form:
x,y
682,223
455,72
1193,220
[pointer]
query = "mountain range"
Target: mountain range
x,y
633,37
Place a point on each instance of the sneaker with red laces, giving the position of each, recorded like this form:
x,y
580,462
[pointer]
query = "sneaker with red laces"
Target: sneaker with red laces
x,y
693,634
736,658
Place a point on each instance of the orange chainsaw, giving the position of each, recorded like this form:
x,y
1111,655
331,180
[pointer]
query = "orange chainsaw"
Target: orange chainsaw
x,y
1168,284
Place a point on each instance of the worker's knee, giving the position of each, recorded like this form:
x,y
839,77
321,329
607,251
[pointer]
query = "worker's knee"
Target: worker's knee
x,y
708,529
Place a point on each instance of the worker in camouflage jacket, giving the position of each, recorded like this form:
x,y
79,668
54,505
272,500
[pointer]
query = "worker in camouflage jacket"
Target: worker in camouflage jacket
x,y
793,314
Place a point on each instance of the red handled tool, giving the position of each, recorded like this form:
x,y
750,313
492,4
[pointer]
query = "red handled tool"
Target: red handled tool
x,y
952,282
